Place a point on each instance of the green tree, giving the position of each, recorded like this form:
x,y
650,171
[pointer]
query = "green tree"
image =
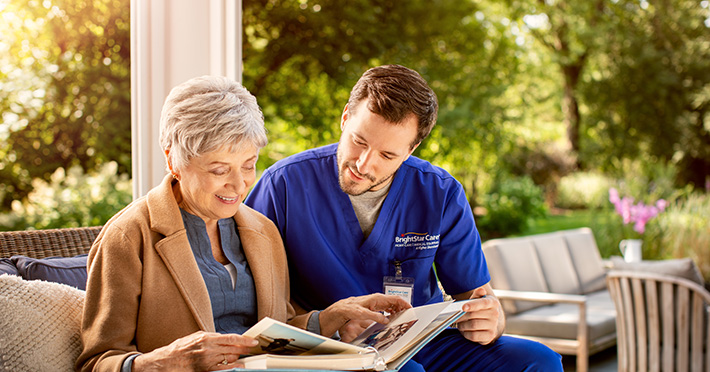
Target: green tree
x,y
634,78
649,90
566,30
302,57
65,91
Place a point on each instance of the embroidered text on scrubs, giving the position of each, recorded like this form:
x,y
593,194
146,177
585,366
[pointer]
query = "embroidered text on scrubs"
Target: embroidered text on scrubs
x,y
417,241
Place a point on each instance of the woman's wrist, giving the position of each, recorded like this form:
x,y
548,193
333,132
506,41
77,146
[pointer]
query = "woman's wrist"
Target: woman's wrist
x,y
330,321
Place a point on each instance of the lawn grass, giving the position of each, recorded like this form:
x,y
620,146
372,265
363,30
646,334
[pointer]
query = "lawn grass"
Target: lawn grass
x,y
563,220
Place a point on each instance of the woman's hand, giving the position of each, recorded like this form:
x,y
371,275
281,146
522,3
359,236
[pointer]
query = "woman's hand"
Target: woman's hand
x,y
352,315
353,328
200,351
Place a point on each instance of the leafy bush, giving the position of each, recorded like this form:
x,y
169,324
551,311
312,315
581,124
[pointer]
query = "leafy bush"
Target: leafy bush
x,y
509,206
649,181
583,190
71,199
683,230
609,230
544,163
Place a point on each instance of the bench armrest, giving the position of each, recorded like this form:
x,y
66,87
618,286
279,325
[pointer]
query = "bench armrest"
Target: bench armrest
x,y
580,300
506,294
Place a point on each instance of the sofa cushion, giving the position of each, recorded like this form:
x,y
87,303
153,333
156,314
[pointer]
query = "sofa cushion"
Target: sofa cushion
x,y
561,320
65,270
587,261
679,267
40,324
513,264
556,262
8,267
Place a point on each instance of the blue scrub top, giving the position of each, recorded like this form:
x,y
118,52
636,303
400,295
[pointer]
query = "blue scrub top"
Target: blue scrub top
x,y
425,219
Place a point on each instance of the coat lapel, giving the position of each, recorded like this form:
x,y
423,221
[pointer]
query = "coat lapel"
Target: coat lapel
x,y
259,256
177,255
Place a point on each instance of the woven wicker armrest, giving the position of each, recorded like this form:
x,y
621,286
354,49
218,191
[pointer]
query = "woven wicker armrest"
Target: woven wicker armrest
x,y
67,242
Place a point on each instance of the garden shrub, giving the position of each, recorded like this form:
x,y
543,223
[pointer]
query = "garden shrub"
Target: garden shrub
x,y
71,199
544,163
608,231
583,190
683,230
649,181
509,206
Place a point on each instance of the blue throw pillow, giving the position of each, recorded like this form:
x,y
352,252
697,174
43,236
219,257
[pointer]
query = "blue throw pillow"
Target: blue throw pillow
x,y
65,270
8,267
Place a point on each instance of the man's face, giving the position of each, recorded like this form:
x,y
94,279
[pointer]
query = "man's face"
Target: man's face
x,y
371,149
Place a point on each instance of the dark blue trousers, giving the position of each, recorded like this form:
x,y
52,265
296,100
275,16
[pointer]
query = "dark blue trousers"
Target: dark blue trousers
x,y
450,351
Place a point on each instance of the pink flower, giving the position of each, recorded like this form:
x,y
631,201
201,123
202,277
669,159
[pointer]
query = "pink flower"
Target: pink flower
x,y
613,196
661,204
638,213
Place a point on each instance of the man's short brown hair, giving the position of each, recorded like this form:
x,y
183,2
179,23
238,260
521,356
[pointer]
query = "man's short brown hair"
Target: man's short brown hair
x,y
395,92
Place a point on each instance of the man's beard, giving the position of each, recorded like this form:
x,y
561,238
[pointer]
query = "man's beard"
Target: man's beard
x,y
350,189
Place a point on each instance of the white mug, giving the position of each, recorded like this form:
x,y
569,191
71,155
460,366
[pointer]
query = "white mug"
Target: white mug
x,y
631,249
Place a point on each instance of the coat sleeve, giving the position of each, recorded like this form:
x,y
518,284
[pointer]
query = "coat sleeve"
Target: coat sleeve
x,y
112,298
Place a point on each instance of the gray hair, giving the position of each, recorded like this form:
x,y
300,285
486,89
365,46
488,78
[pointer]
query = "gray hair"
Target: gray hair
x,y
206,113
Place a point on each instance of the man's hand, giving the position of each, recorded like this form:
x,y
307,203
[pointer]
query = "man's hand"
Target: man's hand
x,y
484,320
352,315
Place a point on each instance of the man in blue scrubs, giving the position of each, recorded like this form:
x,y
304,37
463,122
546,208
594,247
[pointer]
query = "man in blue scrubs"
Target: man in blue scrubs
x,y
364,216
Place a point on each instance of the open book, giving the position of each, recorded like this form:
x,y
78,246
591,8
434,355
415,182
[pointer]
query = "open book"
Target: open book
x,y
379,347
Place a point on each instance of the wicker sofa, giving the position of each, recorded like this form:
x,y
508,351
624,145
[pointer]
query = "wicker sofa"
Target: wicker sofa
x,y
68,242
41,297
552,288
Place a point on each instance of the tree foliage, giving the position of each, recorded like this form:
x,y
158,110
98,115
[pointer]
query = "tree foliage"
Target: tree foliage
x,y
635,79
649,90
71,198
64,91
526,87
568,30
301,58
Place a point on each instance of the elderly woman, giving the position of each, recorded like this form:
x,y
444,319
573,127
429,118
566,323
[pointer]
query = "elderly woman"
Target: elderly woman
x,y
178,275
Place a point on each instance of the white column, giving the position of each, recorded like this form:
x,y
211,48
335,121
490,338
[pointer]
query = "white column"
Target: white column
x,y
173,41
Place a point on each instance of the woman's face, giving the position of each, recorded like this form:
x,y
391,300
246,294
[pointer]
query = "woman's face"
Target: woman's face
x,y
214,184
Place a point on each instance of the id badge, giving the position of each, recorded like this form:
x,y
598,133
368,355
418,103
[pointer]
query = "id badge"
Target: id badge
x,y
400,286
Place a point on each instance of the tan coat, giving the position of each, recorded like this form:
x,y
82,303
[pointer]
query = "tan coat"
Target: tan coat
x,y
144,287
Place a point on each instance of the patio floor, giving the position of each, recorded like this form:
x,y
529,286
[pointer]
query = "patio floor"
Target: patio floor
x,y
603,361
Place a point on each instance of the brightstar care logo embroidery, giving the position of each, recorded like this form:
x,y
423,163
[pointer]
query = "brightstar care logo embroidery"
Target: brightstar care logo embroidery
x,y
416,240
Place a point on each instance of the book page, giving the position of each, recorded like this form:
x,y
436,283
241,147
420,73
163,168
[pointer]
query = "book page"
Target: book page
x,y
442,321
325,362
279,338
390,339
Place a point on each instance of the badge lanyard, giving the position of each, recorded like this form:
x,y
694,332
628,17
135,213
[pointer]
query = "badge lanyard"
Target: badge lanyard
x,y
398,285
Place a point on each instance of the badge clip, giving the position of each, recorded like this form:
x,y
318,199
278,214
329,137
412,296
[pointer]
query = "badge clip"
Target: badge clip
x,y
398,284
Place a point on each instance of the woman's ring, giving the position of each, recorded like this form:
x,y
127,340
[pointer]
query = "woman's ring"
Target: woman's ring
x,y
224,362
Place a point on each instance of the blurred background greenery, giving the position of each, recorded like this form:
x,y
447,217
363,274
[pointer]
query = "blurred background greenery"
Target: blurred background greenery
x,y
544,105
